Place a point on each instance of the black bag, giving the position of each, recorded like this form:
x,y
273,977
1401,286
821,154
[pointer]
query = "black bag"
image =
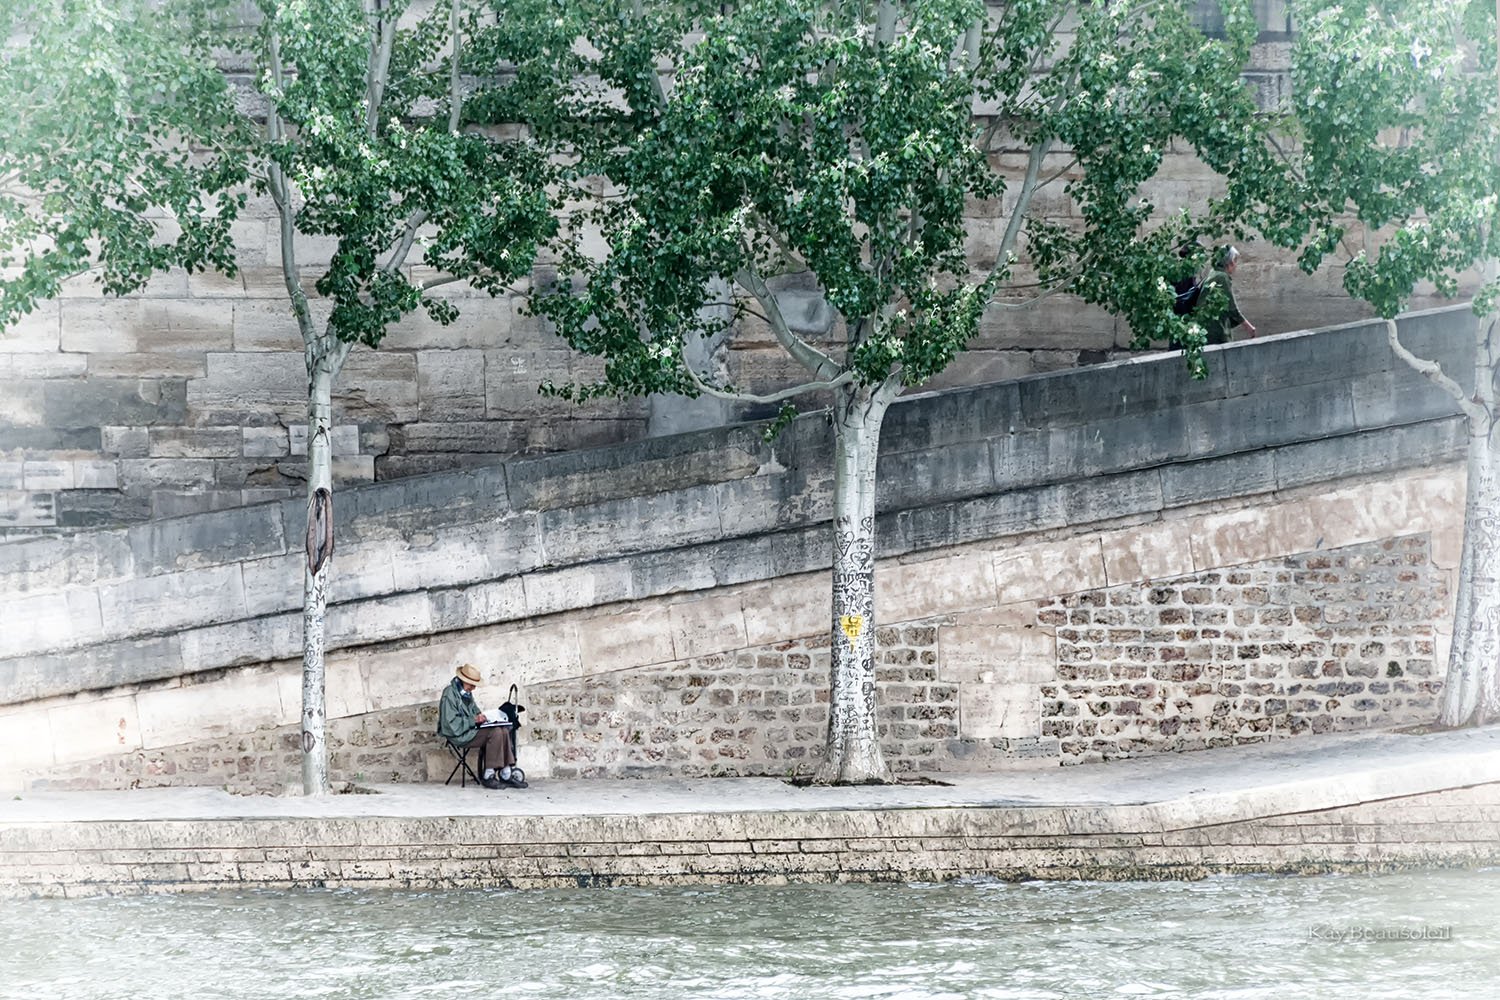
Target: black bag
x,y
512,711
1187,294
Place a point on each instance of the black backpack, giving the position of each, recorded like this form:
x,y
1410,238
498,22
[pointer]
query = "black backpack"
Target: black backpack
x,y
1187,294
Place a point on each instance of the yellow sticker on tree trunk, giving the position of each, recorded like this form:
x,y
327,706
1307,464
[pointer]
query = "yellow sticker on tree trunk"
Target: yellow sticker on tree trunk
x,y
852,626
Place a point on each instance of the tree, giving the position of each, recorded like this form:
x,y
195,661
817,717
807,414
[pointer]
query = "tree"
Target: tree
x,y
736,144
1394,110
357,132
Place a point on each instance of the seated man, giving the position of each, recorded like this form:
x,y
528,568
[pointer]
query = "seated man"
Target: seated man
x,y
461,722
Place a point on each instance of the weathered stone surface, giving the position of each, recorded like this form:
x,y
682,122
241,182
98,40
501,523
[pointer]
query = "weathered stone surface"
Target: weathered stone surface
x,y
1149,552
126,442
377,385
126,326
43,366
266,325
1235,475
38,332
918,478
265,442
635,469
99,402
173,600
450,384
1357,454
629,524
465,437
195,442
211,539
478,604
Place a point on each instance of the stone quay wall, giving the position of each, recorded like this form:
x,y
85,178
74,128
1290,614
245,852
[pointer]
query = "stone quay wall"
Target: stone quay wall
x,y
1454,828
655,601
191,395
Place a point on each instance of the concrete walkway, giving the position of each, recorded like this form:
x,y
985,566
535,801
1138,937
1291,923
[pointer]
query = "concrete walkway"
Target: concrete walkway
x,y
1353,802
1178,790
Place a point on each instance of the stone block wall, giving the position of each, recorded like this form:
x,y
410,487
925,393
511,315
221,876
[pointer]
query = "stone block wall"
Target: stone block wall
x,y
570,572
1320,641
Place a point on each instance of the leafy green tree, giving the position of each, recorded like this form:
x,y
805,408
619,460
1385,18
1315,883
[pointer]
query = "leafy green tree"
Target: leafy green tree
x,y
354,124
738,143
1394,110
96,157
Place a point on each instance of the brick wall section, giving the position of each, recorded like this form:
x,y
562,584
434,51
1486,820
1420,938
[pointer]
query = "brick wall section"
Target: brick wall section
x,y
761,711
391,745
754,711
1450,828
1318,642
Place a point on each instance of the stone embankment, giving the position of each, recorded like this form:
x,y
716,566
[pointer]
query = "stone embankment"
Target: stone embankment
x,y
1074,566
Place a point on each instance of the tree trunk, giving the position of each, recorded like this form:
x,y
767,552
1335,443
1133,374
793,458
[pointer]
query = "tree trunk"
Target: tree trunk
x,y
315,573
1471,694
853,753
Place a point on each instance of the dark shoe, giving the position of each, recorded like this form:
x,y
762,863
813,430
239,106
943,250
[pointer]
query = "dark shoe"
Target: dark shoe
x,y
491,783
517,781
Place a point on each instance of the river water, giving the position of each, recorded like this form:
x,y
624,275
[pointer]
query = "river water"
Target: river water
x,y
1407,936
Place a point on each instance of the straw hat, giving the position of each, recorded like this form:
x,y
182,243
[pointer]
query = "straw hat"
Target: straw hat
x,y
469,674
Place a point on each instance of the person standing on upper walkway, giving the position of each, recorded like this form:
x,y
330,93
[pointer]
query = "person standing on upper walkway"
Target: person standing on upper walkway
x,y
1218,326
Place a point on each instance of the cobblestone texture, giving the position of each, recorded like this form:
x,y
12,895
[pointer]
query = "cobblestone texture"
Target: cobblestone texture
x,y
1318,642
755,711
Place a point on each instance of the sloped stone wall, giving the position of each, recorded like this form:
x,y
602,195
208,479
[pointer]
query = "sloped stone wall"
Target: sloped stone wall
x,y
1320,641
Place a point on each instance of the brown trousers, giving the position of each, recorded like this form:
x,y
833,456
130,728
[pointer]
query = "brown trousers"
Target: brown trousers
x,y
493,744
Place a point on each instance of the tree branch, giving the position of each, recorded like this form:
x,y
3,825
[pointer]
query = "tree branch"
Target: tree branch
x,y
1484,381
382,37
638,9
1434,373
1023,203
972,38
281,197
408,237
791,255
450,279
815,361
774,397
1066,167
1055,289
455,91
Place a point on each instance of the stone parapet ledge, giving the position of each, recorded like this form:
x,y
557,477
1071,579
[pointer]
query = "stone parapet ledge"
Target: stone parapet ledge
x,y
720,508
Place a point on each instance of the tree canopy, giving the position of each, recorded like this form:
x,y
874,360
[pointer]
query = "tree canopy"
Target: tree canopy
x,y
716,151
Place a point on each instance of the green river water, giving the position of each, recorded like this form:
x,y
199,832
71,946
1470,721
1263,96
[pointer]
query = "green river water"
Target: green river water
x,y
1405,936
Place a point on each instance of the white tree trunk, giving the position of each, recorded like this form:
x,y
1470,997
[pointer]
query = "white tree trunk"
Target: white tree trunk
x,y
853,752
1471,694
315,572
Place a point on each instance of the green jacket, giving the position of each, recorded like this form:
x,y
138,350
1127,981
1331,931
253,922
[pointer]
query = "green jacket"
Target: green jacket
x,y
456,715
1218,327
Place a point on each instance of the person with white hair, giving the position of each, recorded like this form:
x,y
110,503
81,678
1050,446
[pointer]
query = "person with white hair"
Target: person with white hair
x,y
1218,327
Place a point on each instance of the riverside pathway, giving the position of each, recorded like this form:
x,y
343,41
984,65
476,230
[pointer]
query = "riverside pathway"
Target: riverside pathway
x,y
1370,800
